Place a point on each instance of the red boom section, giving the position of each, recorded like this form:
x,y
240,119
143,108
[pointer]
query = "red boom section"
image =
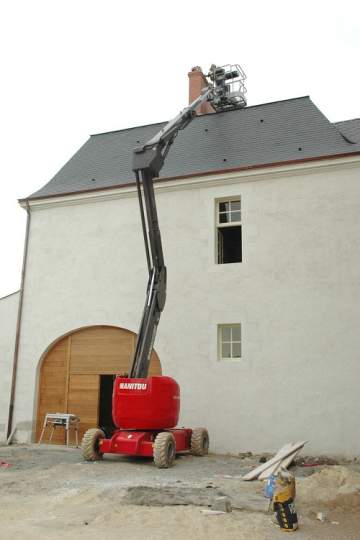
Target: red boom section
x,y
150,403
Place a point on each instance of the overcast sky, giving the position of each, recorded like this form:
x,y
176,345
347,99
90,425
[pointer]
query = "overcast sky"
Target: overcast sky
x,y
70,68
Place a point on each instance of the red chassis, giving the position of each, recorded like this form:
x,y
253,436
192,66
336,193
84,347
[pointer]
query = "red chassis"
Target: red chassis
x,y
140,443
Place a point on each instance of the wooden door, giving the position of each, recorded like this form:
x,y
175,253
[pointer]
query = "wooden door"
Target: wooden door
x,y
100,349
70,373
52,388
83,400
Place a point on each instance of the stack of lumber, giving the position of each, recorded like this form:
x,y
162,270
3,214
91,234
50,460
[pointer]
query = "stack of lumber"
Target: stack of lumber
x,y
281,460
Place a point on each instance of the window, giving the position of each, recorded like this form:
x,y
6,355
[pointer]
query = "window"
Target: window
x,y
228,225
229,341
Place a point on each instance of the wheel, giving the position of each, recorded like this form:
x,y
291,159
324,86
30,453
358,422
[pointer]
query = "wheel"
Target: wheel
x,y
90,444
199,442
164,450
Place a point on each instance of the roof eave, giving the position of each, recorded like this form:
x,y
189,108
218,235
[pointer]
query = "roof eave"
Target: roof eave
x,y
194,175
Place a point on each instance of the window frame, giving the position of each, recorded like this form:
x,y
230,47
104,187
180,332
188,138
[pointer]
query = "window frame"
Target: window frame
x,y
220,342
218,212
219,225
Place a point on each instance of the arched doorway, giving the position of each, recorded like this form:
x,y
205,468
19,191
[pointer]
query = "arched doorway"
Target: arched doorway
x,y
77,372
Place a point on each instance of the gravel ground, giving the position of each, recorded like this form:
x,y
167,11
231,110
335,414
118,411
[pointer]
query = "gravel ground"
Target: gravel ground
x,y
49,492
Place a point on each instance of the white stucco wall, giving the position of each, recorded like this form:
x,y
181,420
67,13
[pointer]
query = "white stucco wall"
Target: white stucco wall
x,y
296,294
8,317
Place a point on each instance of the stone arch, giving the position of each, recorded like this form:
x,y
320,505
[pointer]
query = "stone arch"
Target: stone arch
x,y
74,368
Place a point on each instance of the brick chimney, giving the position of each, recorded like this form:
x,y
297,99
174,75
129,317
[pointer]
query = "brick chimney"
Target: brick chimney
x,y
197,81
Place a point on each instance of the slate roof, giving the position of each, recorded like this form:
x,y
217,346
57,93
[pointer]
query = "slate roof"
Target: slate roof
x,y
276,132
350,129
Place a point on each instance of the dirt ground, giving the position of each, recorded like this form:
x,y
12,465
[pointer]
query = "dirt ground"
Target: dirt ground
x,y
49,493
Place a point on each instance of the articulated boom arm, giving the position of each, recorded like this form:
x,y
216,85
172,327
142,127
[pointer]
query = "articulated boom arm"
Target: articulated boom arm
x,y
147,163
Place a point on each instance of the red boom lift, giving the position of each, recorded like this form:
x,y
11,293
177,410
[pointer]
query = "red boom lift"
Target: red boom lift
x,y
146,409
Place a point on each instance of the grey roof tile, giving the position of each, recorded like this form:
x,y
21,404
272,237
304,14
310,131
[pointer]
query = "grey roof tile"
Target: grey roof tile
x,y
350,129
263,134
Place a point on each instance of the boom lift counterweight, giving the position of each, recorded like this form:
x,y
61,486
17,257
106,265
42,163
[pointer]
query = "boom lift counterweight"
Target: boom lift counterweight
x,y
146,409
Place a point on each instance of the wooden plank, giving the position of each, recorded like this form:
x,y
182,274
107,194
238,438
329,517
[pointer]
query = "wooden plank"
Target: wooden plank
x,y
83,400
269,470
68,360
52,388
284,463
281,454
155,366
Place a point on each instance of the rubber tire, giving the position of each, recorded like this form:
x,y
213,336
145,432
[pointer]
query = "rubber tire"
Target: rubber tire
x,y
164,450
90,444
199,442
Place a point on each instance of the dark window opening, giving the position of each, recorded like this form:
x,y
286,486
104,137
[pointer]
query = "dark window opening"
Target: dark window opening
x,y
229,245
105,404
